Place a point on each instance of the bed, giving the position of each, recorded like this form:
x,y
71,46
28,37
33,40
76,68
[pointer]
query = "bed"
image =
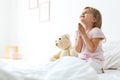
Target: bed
x,y
67,68
110,75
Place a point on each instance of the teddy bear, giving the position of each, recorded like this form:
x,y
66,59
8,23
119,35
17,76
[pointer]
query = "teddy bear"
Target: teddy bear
x,y
63,42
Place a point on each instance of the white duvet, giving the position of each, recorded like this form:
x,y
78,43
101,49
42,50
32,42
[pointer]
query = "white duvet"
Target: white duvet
x,y
110,75
66,68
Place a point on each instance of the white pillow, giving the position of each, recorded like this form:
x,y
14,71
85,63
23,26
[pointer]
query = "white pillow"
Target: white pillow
x,y
112,55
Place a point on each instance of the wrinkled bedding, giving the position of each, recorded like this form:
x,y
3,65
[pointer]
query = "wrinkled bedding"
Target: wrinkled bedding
x,y
110,75
66,68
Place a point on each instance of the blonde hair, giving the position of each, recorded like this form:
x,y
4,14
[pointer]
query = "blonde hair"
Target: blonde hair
x,y
97,15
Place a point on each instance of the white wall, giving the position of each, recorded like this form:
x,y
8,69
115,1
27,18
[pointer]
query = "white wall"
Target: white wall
x,y
67,12
8,24
36,40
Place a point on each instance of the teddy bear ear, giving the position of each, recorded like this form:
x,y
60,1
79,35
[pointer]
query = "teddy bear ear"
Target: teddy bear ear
x,y
67,36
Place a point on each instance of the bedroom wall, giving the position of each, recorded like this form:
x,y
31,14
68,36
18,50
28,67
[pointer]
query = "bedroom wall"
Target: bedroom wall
x,y
8,24
36,39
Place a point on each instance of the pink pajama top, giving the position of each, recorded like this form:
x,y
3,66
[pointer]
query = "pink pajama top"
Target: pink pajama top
x,y
97,56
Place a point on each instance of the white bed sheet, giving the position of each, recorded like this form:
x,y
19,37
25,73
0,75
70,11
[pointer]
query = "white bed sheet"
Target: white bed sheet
x,y
21,70
110,75
66,68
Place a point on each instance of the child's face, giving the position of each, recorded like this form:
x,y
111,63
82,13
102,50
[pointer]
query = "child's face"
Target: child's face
x,y
87,16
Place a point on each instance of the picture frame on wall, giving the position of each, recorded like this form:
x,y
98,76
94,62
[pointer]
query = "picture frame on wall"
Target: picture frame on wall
x,y
33,4
44,11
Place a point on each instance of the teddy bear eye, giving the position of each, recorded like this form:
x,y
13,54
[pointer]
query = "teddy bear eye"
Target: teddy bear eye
x,y
59,38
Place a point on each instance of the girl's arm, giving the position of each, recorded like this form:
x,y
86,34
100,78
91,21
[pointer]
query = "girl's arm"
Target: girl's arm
x,y
91,44
78,44
78,41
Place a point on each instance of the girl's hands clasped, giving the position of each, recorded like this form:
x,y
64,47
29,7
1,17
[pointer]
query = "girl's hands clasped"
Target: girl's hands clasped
x,y
81,29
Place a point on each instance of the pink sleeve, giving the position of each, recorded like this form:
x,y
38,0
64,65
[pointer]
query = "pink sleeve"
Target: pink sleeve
x,y
97,33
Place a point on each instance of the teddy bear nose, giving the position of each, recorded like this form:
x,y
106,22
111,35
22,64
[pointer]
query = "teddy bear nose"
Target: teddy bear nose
x,y
56,44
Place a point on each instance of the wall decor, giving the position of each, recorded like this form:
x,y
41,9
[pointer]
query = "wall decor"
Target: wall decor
x,y
44,9
33,4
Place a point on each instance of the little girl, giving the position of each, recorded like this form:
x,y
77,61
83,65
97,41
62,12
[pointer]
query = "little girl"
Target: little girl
x,y
89,38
